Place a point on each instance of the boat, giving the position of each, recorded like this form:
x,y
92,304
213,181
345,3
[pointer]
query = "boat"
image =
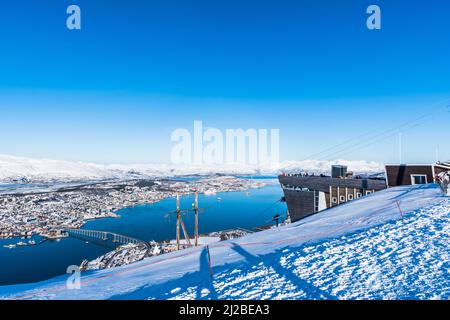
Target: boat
x,y
21,244
10,246
31,242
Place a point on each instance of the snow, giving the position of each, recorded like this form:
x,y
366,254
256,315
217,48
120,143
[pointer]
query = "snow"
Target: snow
x,y
201,240
365,249
43,170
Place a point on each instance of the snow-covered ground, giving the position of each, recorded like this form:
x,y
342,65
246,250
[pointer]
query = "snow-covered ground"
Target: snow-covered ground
x,y
390,245
42,170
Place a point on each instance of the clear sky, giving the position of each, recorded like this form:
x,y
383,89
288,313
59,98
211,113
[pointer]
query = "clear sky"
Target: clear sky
x,y
115,90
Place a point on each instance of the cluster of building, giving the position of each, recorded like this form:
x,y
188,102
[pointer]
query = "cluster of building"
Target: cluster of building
x,y
309,194
47,213
222,184
123,255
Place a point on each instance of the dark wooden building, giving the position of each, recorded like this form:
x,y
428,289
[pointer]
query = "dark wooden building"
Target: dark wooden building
x,y
405,174
307,195
400,175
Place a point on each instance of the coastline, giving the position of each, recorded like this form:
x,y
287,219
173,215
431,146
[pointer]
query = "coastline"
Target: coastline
x,y
53,233
147,222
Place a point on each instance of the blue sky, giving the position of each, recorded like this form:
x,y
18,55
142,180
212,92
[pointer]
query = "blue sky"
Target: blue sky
x,y
115,90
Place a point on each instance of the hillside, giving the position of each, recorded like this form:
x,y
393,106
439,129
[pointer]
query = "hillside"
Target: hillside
x,y
389,245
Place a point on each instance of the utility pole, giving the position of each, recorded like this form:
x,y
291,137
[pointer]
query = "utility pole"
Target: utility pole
x,y
181,223
186,234
178,221
196,218
277,219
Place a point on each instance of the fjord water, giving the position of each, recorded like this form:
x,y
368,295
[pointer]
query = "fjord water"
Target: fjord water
x,y
147,222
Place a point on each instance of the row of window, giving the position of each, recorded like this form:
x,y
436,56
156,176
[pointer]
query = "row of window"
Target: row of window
x,y
316,201
294,188
350,197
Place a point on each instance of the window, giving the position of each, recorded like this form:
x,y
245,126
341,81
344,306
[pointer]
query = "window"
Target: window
x,y
358,195
334,200
418,179
368,192
342,198
350,197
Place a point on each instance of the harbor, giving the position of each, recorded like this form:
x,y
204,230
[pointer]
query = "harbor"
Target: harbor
x,y
149,222
46,212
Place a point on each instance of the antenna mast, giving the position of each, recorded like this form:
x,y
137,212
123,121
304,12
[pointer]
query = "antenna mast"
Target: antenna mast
x,y
196,218
180,223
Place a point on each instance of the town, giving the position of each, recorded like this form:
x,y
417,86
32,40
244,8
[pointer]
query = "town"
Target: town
x,y
47,213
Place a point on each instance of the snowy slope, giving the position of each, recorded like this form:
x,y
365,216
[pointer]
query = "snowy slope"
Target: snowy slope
x,y
392,244
27,169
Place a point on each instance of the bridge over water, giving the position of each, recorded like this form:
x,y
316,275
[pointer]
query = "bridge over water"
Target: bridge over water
x,y
105,236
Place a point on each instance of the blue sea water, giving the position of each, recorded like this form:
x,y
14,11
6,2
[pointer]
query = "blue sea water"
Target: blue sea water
x,y
147,222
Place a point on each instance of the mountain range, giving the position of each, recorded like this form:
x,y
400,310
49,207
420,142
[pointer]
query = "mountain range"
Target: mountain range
x,y
15,169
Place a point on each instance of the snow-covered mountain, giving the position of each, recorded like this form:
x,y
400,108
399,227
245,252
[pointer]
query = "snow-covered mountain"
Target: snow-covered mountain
x,y
392,244
21,169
